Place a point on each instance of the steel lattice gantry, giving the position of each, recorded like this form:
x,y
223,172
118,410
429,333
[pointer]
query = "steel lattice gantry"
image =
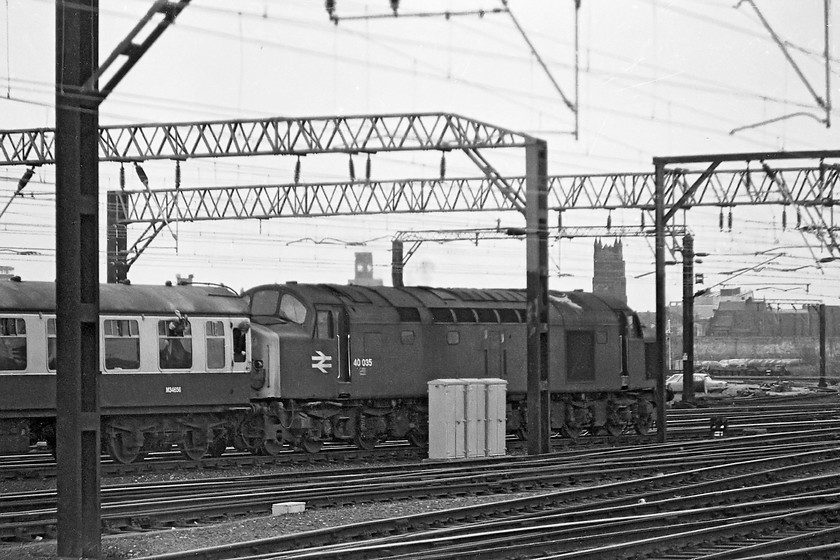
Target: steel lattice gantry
x,y
273,136
811,189
321,135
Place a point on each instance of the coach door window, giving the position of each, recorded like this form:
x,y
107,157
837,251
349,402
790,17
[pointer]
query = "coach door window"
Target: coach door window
x,y
175,344
215,334
12,344
122,344
240,342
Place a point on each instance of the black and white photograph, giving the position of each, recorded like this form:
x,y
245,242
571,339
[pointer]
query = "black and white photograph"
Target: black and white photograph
x,y
419,279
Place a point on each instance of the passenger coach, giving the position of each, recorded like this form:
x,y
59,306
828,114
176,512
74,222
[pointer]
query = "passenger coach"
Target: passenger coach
x,y
174,362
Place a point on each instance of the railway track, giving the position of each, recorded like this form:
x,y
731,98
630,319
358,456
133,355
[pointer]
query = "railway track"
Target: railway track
x,y
684,423
700,501
152,505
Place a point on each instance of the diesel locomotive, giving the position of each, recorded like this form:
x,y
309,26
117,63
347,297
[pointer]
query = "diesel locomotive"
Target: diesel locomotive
x,y
203,368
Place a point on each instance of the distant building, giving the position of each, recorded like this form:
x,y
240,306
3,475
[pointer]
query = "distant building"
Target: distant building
x,y
6,272
364,271
609,277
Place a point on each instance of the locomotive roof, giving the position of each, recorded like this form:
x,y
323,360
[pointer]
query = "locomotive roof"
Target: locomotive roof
x,y
568,303
24,296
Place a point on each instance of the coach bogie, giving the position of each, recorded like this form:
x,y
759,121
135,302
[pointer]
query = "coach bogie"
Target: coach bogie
x,y
123,442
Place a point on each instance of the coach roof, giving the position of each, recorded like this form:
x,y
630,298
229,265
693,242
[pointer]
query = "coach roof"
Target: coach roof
x,y
23,296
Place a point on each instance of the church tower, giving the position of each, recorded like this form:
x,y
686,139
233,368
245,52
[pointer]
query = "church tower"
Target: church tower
x,y
609,278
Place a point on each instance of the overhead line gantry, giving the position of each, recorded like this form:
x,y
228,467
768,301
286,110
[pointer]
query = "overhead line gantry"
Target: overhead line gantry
x,y
349,135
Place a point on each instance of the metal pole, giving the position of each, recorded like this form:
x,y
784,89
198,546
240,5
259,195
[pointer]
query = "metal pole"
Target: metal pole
x,y
536,219
661,309
117,237
822,383
397,263
688,318
827,9
77,281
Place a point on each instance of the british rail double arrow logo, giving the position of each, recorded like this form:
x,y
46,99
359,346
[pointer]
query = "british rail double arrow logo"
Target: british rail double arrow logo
x,y
321,361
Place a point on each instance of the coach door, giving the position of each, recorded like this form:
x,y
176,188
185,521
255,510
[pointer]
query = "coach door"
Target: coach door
x,y
332,331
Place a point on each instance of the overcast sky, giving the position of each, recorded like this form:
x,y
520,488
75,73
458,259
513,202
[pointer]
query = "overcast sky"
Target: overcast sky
x,y
656,78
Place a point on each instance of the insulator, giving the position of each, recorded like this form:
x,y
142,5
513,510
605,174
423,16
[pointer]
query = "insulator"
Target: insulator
x,y
798,219
297,171
395,6
27,175
443,165
784,218
367,168
122,176
729,221
609,221
330,6
141,174
177,174
352,170
643,220
720,220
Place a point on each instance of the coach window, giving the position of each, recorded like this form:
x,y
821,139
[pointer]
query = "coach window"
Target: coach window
x,y
324,325
175,344
122,344
214,332
12,344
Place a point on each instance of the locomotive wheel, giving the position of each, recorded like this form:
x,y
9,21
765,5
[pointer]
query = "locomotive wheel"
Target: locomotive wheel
x,y
272,447
366,443
250,434
121,450
312,445
571,432
194,445
614,429
643,425
417,438
217,446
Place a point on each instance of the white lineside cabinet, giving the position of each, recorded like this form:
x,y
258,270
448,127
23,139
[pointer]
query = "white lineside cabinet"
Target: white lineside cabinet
x,y
466,418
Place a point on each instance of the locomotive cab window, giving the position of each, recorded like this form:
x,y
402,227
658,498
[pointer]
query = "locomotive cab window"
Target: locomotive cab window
x,y
267,306
122,343
324,325
291,309
12,344
214,332
175,344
